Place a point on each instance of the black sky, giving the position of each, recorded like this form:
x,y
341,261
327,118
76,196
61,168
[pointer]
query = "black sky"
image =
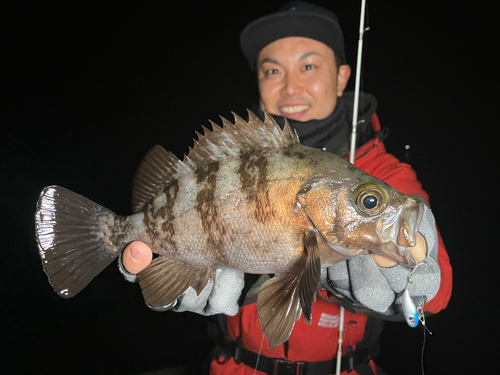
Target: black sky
x,y
86,90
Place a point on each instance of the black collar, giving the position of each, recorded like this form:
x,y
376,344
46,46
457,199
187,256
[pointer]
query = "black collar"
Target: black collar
x,y
333,133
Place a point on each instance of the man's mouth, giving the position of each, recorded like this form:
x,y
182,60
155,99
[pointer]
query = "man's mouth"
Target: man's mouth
x,y
292,109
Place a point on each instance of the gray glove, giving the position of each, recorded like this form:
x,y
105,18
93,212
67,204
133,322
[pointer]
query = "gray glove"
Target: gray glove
x,y
221,298
366,285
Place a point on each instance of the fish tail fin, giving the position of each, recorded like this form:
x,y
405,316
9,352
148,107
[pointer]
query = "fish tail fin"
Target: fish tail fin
x,y
73,237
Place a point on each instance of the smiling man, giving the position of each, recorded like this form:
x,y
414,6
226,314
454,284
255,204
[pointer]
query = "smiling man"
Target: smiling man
x,y
298,56
299,78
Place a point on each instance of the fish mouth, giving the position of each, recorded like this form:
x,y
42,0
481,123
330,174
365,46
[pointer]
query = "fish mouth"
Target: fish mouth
x,y
398,233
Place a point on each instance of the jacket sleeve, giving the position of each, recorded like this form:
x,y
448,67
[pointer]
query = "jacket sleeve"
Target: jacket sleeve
x,y
371,289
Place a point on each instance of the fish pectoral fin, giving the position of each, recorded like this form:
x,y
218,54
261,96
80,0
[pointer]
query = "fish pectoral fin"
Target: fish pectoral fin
x,y
278,307
164,280
310,275
282,298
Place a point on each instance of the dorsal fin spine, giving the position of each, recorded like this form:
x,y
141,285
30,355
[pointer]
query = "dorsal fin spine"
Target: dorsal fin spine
x,y
239,122
227,137
159,168
242,140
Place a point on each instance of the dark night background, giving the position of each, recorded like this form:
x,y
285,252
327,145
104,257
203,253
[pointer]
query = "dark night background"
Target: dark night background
x,y
87,89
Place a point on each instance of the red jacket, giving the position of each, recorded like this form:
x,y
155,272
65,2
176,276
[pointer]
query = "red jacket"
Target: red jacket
x,y
373,158
318,341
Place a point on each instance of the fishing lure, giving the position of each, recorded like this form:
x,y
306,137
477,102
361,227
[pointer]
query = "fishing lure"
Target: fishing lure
x,y
413,313
410,311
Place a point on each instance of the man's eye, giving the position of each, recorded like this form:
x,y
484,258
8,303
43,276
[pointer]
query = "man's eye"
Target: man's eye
x,y
308,67
270,72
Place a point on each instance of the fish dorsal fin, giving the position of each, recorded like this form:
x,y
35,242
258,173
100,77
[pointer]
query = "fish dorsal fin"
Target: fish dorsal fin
x,y
282,299
230,140
156,171
160,167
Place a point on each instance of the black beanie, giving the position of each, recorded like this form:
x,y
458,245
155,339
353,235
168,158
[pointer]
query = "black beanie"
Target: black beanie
x,y
296,18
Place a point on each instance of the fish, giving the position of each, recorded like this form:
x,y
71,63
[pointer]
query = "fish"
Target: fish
x,y
247,196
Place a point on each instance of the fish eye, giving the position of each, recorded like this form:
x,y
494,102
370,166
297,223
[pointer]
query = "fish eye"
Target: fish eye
x,y
370,199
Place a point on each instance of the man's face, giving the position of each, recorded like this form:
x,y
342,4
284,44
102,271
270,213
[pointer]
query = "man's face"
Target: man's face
x,y
298,79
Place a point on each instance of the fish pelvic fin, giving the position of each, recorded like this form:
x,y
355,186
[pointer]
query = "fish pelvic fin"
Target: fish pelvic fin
x,y
282,299
73,237
165,279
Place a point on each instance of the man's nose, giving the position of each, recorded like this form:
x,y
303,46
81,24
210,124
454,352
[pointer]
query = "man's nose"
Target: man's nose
x,y
293,84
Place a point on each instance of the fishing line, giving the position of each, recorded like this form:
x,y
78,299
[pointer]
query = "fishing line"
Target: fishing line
x,y
419,311
258,355
423,348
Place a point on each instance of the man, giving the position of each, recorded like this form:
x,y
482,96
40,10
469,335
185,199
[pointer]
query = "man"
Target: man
x,y
298,55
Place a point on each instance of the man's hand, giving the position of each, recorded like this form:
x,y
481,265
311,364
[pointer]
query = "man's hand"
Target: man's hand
x,y
419,252
136,256
219,298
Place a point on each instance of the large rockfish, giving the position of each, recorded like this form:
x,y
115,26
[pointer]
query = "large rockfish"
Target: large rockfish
x,y
248,196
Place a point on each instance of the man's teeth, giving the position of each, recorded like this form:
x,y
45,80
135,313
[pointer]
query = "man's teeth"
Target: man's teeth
x,y
294,108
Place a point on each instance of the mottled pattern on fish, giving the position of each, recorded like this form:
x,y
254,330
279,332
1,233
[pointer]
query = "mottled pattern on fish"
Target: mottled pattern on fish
x,y
245,201
247,196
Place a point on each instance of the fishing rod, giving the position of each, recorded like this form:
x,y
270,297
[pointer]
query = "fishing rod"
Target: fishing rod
x,y
362,30
413,314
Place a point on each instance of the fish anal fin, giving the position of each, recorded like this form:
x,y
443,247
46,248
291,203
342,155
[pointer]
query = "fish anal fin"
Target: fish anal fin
x,y
310,277
202,280
164,280
278,307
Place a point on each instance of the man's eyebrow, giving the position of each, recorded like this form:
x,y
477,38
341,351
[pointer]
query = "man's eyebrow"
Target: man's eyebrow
x,y
269,60
274,61
307,54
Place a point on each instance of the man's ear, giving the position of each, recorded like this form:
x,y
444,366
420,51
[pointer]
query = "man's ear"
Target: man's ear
x,y
342,78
